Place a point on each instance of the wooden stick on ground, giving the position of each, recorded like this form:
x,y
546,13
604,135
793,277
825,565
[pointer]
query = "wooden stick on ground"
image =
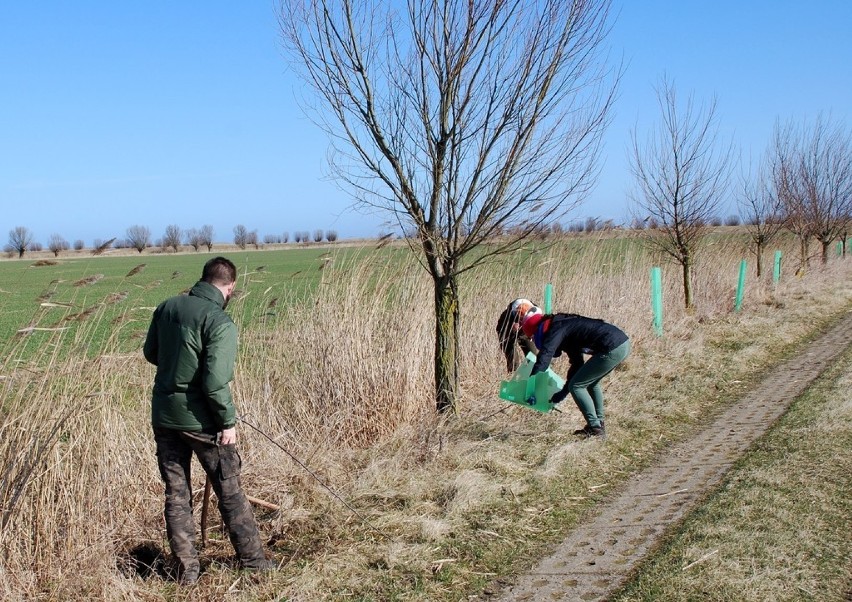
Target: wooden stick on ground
x,y
262,503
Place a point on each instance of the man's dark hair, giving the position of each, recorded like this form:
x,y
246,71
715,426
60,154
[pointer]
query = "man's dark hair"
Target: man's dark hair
x,y
219,270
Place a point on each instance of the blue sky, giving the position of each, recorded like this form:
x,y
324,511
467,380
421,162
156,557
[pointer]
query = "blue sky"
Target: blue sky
x,y
155,113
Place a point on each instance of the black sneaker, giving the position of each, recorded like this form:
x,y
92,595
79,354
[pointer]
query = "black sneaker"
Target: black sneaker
x,y
591,431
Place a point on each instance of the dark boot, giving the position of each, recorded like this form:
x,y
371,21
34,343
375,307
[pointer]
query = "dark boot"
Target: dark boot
x,y
189,575
591,431
259,565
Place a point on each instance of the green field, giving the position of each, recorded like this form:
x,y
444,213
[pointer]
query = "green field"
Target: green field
x,y
114,296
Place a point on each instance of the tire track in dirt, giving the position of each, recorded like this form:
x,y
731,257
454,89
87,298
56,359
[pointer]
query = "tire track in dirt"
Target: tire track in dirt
x,y
597,558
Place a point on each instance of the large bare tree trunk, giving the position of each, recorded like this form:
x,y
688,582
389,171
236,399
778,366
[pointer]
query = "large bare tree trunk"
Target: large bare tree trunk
x,y
446,343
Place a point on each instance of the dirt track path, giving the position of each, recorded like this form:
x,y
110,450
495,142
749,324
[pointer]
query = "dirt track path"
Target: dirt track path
x,y
593,561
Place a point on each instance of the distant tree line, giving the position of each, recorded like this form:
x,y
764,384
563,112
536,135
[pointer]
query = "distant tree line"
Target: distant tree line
x,y
139,237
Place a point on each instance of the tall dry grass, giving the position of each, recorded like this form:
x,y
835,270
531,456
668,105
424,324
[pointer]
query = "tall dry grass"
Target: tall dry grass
x,y
342,381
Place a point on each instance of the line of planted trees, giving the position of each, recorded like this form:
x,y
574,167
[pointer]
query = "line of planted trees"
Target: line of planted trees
x,y
682,172
22,239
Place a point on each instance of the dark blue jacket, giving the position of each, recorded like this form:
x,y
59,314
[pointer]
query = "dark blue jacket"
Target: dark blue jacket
x,y
574,335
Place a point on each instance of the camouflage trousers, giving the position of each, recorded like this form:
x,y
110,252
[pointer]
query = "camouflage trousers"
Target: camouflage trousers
x,y
222,465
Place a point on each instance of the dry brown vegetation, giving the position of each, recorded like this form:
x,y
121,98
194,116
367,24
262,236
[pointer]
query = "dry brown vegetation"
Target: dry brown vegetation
x,y
343,382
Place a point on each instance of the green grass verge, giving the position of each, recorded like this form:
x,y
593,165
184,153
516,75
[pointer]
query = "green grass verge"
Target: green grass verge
x,y
779,526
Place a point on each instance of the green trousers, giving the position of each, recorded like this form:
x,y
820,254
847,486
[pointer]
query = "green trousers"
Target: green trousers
x,y
585,385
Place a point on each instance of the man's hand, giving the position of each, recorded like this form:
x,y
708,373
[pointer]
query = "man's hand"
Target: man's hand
x,y
228,436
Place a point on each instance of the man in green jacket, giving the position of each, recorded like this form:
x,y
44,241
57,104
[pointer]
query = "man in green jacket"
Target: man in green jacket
x,y
193,343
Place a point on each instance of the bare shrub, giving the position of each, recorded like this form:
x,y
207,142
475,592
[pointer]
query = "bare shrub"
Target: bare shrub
x,y
206,236
241,236
172,238
57,244
20,240
139,237
193,238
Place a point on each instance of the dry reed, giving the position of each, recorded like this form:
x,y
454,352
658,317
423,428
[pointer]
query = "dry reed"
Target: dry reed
x,y
343,382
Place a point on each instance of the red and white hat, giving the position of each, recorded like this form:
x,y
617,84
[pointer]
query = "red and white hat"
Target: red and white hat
x,y
524,309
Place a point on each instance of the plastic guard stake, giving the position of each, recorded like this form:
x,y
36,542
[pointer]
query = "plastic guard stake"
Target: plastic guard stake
x,y
776,270
521,387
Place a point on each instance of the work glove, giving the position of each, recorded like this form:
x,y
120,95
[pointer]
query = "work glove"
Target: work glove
x,y
559,396
531,400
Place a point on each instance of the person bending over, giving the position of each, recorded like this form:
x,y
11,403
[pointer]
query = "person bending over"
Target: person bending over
x,y
576,336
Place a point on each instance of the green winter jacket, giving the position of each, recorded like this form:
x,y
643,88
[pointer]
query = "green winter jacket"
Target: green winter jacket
x,y
193,343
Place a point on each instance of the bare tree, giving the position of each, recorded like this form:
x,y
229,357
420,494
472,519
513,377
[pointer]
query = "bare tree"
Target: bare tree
x,y
815,174
138,237
460,119
762,210
681,173
206,236
285,237
193,238
79,244
241,236
331,235
172,238
57,244
20,239
788,187
318,234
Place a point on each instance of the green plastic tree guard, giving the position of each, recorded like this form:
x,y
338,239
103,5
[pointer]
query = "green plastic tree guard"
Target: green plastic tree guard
x,y
521,387
738,304
657,299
